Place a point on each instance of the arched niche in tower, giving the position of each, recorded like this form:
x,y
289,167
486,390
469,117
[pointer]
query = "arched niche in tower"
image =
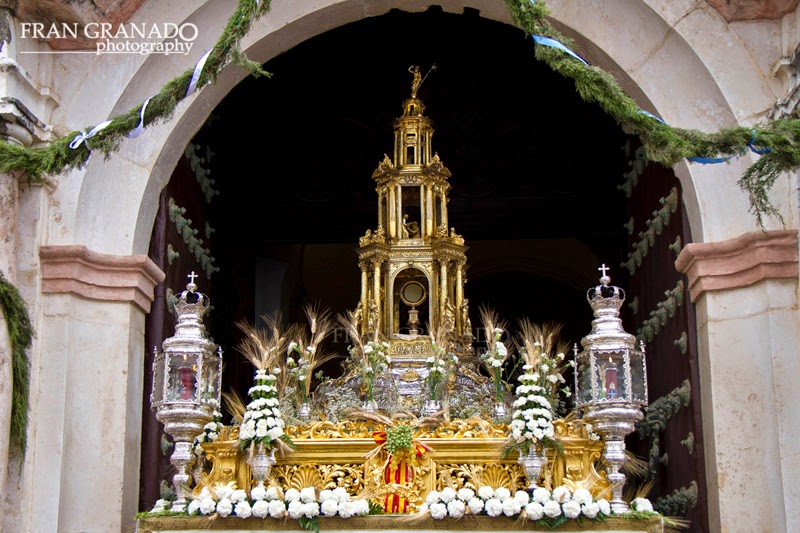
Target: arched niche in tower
x,y
411,302
411,211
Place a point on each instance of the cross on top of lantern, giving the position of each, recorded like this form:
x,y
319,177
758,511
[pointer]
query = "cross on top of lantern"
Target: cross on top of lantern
x,y
610,368
188,370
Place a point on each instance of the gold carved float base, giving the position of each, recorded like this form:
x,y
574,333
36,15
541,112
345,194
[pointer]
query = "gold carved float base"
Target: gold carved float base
x,y
386,523
465,453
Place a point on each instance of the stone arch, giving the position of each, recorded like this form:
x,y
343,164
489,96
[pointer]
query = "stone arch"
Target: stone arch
x,y
699,101
703,99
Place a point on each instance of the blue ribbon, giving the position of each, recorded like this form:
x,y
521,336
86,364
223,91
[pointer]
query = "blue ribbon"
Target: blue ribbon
x,y
547,41
81,137
138,131
645,113
198,68
750,145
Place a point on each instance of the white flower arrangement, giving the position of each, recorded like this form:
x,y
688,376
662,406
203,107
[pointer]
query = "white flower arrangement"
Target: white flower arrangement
x,y
541,504
210,434
541,385
262,421
372,361
497,352
304,505
308,352
440,365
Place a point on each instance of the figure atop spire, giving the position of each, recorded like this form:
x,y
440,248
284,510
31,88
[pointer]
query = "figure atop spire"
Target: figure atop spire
x,y
418,79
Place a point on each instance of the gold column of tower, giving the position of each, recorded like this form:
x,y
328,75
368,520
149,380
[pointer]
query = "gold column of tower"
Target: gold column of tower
x,y
415,289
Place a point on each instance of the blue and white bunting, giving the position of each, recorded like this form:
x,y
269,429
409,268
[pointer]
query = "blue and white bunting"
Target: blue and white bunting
x,y
81,137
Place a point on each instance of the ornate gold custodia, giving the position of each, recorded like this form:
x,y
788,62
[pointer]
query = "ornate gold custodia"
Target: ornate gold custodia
x,y
413,268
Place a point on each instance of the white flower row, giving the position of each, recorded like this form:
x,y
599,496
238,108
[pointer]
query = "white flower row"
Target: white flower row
x,y
295,504
262,388
535,506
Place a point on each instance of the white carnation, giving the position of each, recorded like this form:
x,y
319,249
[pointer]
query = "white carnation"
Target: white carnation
x,y
361,507
605,507
541,495
308,494
590,510
292,495
193,508
582,496
243,509
433,497
325,495
466,494
277,509
224,507
562,494
273,493
260,509
511,507
572,509
207,506
438,511
447,495
258,493
295,509
534,510
329,507
522,497
456,508
485,492
341,494
475,506
238,496
310,509
642,505
552,509
502,494
347,509
494,507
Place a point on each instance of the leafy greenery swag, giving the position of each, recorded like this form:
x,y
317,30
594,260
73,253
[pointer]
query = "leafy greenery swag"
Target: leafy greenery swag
x,y
663,143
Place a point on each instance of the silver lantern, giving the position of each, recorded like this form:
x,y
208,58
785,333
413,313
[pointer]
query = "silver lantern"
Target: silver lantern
x,y
611,381
186,384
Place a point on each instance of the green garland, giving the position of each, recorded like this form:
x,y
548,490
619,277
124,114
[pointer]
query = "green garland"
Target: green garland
x,y
663,143
20,333
58,157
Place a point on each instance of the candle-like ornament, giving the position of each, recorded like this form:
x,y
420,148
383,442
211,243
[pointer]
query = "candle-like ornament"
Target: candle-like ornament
x,y
611,379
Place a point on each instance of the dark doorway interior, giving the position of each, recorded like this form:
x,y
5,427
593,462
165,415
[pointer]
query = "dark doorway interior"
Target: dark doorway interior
x,y
534,186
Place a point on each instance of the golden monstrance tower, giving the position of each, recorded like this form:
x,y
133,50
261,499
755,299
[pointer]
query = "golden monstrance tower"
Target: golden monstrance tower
x,y
413,264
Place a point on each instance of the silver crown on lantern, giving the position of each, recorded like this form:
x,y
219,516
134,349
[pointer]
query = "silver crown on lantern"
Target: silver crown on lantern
x,y
610,381
186,383
607,331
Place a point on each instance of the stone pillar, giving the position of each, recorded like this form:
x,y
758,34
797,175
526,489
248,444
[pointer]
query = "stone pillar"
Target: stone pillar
x,y
86,409
745,292
11,132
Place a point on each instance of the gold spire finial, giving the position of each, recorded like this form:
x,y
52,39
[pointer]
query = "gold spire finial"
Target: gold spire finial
x,y
418,79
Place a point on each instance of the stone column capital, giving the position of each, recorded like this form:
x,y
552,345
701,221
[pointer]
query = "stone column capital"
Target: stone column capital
x,y
739,262
118,278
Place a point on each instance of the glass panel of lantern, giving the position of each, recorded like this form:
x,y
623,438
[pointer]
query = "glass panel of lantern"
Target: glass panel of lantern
x,y
611,376
638,377
182,378
211,379
159,385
